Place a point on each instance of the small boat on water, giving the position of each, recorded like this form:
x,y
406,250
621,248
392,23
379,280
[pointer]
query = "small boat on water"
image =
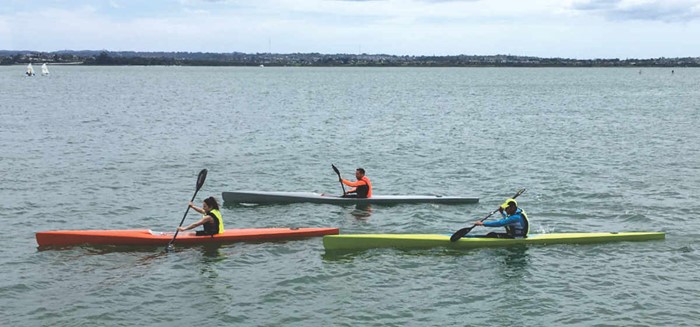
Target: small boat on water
x,y
30,70
261,197
44,70
147,237
427,241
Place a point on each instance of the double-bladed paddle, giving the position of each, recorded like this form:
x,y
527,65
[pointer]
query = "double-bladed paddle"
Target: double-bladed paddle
x,y
339,178
200,181
460,233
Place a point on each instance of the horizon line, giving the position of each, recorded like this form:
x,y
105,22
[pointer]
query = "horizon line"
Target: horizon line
x,y
335,54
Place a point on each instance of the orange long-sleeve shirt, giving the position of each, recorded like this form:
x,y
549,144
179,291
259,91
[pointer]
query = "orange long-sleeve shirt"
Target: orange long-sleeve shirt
x,y
362,182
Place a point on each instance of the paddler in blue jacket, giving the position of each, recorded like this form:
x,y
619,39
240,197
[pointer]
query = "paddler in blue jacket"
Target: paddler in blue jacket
x,y
514,220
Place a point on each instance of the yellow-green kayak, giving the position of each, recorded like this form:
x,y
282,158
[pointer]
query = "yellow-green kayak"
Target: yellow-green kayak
x,y
425,241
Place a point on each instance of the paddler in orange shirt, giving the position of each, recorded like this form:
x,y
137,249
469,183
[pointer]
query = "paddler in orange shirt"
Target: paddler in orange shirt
x,y
362,188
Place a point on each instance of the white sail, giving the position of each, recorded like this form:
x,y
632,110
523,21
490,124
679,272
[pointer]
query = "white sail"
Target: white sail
x,y
30,70
44,70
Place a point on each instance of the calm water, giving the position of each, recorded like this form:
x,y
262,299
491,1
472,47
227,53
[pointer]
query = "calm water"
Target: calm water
x,y
120,148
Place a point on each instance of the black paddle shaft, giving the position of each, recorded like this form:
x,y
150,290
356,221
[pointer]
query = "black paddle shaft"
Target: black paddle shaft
x,y
464,231
339,178
200,181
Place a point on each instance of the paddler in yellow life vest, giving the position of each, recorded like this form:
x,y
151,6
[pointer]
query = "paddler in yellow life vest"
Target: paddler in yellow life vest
x,y
514,220
211,218
362,188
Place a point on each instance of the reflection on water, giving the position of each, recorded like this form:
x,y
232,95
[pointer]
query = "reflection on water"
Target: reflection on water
x,y
209,272
515,260
516,256
362,211
208,250
211,253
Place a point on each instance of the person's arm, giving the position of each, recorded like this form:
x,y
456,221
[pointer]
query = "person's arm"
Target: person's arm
x,y
489,224
195,208
201,222
502,222
354,184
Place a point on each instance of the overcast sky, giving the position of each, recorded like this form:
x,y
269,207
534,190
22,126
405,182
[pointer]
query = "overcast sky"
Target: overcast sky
x,y
582,29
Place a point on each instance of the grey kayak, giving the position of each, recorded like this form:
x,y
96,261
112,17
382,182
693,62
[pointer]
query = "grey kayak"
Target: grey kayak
x,y
262,197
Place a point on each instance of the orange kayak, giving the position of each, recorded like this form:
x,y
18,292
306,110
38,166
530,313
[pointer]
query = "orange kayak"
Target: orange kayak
x,y
148,237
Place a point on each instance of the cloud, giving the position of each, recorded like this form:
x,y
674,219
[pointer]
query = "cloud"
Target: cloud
x,y
596,4
548,28
668,11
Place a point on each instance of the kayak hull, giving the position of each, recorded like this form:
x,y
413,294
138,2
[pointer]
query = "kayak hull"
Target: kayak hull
x,y
427,241
262,197
148,237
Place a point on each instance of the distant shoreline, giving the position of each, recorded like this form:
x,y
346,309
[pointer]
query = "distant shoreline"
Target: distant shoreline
x,y
247,66
131,58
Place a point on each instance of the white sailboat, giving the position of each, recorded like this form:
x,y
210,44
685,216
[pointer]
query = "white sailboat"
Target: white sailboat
x,y
30,70
44,70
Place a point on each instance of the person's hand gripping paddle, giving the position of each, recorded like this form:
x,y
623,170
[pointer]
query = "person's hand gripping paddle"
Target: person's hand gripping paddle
x,y
200,181
340,179
464,231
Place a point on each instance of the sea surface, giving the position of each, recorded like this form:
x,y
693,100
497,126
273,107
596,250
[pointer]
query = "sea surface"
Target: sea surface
x,y
598,149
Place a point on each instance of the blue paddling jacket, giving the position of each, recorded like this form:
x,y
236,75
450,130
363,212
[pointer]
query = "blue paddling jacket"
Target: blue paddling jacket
x,y
516,224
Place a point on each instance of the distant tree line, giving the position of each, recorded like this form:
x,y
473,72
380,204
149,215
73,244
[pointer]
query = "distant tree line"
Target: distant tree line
x,y
90,57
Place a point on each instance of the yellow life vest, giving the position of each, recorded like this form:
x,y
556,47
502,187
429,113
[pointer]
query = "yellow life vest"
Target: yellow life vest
x,y
215,227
